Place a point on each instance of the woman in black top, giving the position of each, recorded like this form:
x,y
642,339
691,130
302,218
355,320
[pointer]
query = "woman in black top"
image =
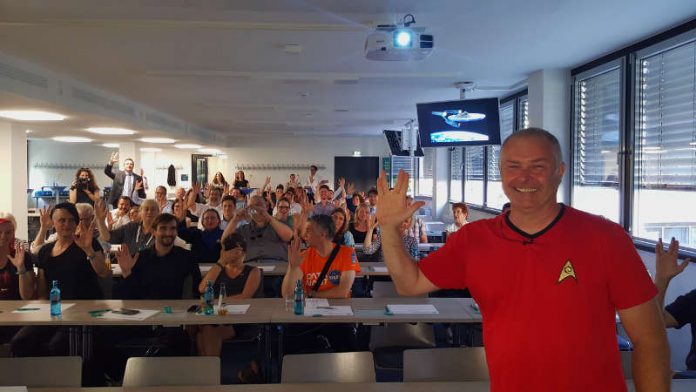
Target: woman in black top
x,y
359,225
240,280
84,188
76,261
239,181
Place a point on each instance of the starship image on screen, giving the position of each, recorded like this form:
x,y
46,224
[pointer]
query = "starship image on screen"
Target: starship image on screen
x,y
457,137
456,117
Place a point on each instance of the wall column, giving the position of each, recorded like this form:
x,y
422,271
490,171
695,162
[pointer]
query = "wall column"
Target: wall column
x,y
13,180
549,108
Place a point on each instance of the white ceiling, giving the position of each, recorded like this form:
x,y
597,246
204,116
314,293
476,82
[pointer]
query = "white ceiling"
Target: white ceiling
x,y
220,64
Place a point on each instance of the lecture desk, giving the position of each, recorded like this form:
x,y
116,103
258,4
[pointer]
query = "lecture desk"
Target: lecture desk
x,y
267,312
468,386
279,269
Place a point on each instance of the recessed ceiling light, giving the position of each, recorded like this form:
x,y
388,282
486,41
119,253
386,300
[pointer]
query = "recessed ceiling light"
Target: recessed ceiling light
x,y
187,145
110,145
28,131
157,140
111,131
209,150
150,149
72,139
31,115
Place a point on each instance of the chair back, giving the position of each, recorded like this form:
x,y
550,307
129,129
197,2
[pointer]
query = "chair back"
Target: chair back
x,y
328,367
446,364
41,371
160,371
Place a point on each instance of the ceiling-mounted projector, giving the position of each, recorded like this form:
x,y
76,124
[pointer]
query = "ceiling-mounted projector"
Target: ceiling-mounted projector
x,y
399,42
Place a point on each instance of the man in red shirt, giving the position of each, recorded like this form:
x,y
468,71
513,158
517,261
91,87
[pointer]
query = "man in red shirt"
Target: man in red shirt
x,y
548,280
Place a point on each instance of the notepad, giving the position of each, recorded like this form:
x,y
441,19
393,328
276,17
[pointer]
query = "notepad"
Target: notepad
x,y
40,308
266,268
412,309
237,309
314,302
328,311
140,316
379,269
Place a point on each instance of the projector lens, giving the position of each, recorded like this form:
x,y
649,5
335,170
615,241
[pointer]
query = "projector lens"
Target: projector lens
x,y
403,39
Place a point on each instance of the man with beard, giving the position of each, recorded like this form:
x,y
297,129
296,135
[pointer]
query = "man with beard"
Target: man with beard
x,y
158,272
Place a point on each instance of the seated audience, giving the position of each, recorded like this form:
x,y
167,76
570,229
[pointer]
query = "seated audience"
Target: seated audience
x,y
283,212
417,228
343,235
241,281
16,270
324,206
84,188
179,208
75,260
372,197
229,206
306,266
374,246
214,199
358,228
134,213
84,211
460,212
137,235
158,271
266,236
205,244
118,217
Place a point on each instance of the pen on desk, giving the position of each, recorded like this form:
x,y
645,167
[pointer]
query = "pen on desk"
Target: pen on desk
x,y
27,309
325,307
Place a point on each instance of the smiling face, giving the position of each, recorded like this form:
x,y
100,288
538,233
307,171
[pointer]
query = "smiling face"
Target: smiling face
x,y
165,233
84,175
161,194
210,220
64,222
339,220
531,172
128,165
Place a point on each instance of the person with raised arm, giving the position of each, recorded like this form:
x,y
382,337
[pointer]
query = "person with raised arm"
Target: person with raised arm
x,y
683,310
548,280
124,181
84,188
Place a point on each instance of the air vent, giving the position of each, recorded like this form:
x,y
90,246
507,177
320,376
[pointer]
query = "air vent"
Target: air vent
x,y
13,73
103,102
163,121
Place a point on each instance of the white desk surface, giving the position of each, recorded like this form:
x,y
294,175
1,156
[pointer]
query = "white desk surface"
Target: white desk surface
x,y
471,386
279,269
261,311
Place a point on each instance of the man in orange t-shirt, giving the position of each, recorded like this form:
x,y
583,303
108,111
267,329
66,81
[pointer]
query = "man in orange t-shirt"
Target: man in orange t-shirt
x,y
307,266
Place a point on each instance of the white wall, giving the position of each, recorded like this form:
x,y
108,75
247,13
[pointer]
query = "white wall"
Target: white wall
x,y
297,150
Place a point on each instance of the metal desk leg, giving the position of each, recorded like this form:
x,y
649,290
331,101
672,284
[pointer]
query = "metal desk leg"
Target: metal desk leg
x,y
87,344
74,341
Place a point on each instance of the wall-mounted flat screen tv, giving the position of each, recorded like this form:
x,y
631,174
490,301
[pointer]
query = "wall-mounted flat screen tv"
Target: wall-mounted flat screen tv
x,y
470,122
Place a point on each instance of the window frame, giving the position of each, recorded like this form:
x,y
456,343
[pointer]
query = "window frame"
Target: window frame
x,y
630,58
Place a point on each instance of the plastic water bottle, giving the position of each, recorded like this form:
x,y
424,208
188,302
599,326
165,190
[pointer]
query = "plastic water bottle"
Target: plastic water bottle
x,y
299,299
55,300
221,297
209,297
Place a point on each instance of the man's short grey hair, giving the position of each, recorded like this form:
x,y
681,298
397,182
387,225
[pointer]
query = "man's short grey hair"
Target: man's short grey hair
x,y
538,133
84,209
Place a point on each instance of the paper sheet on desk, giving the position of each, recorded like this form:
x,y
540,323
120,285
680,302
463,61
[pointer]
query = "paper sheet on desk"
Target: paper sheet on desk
x,y
328,311
412,309
266,268
237,309
140,316
40,308
13,389
379,269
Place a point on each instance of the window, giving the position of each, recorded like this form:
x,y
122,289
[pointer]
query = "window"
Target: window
x,y
523,110
495,198
456,169
405,164
473,174
425,173
664,183
597,126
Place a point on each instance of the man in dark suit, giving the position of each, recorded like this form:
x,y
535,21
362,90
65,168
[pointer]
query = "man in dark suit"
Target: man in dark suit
x,y
125,181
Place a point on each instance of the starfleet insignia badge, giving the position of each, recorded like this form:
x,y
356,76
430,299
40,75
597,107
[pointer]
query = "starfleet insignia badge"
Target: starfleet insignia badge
x,y
567,272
